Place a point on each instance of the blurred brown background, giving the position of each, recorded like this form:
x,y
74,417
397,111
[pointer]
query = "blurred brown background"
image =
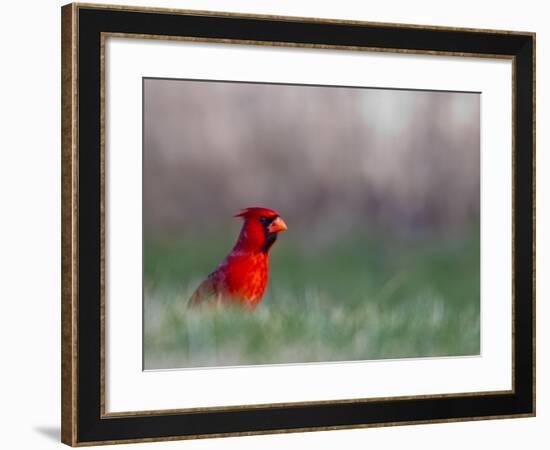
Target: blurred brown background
x,y
329,159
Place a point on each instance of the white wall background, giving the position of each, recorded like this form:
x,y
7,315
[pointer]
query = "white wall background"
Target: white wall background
x,y
30,223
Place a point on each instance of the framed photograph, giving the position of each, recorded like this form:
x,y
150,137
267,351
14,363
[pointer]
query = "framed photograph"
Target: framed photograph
x,y
281,224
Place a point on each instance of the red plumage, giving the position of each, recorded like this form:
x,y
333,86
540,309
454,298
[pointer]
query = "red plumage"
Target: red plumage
x,y
242,276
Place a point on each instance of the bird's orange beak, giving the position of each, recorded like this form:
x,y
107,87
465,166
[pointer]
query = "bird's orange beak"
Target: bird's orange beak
x,y
277,226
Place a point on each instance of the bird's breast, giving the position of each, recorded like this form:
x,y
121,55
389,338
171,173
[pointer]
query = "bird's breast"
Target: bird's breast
x,y
246,276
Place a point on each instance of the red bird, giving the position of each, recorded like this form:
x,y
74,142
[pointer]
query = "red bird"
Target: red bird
x,y
242,276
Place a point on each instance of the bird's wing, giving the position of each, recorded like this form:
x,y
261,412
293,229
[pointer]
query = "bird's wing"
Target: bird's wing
x,y
207,291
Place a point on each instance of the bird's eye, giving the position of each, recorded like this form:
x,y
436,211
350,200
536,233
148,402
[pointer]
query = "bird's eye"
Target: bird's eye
x,y
267,220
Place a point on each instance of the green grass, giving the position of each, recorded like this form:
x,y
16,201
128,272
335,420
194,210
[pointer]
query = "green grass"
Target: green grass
x,y
353,300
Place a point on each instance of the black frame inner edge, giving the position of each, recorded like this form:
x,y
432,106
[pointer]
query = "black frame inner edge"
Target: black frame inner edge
x,y
90,425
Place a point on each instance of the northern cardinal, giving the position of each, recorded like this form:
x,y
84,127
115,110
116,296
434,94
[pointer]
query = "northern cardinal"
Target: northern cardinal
x,y
242,276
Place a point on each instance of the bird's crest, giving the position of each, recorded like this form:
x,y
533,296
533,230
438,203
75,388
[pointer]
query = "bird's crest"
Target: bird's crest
x,y
255,211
